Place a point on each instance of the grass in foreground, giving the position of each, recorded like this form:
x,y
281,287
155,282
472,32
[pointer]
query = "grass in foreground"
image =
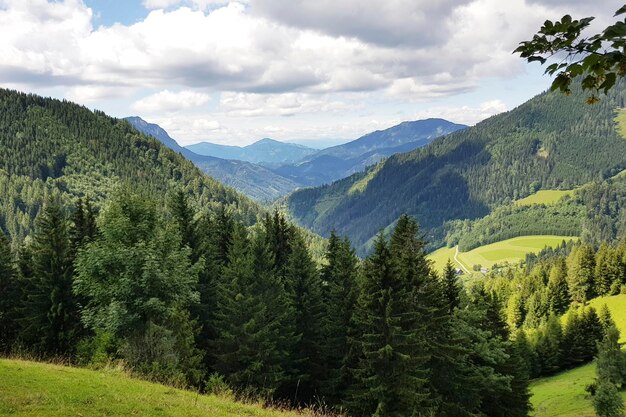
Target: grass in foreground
x,y
45,390
546,197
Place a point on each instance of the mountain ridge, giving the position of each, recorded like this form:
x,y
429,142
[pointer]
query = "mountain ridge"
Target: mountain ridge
x,y
550,142
246,177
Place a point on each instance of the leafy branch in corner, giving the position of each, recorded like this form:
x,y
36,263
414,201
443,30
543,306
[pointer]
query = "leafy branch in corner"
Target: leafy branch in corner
x,y
599,59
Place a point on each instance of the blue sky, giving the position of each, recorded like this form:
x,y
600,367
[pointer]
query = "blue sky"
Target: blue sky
x,y
313,70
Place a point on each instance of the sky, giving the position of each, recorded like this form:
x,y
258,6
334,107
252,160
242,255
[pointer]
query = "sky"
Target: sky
x,y
307,71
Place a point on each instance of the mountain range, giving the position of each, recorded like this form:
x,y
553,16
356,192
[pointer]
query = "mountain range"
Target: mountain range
x,y
265,151
340,161
267,179
251,179
550,142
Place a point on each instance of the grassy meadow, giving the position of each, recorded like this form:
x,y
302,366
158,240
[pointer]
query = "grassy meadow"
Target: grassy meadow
x,y
544,197
510,250
30,389
563,395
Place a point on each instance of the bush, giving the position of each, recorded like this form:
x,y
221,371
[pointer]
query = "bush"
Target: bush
x,y
96,351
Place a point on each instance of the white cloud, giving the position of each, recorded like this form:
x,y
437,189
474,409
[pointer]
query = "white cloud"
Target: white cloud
x,y
167,101
286,104
465,114
160,4
272,59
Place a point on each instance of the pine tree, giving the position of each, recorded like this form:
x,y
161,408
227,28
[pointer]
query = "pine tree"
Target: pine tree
x,y
9,301
339,277
50,322
557,287
611,361
391,375
611,375
302,273
451,287
581,269
254,320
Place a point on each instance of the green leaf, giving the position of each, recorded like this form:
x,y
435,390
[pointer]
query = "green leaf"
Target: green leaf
x,y
620,11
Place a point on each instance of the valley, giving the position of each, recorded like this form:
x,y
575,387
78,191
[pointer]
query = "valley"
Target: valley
x,y
357,209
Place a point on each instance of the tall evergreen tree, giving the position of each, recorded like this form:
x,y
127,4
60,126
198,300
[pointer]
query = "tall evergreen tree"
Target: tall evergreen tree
x,y
51,322
451,287
391,375
339,279
581,269
9,301
302,273
611,375
557,287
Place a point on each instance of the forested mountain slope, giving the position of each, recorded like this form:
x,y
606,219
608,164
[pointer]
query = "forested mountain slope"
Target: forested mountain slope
x,y
51,147
552,141
340,161
251,179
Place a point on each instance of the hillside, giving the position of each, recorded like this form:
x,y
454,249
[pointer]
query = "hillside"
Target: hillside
x,y
510,250
550,142
251,179
563,395
44,390
340,161
57,148
264,151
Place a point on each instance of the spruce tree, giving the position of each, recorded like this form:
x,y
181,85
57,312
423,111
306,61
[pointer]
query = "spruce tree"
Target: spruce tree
x,y
611,375
581,269
9,301
557,287
451,287
339,278
611,361
51,322
302,273
391,376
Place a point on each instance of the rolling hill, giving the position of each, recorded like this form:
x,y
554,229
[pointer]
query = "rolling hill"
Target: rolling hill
x,y
52,148
550,142
251,179
563,394
340,161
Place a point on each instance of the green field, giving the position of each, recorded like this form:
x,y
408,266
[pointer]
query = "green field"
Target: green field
x,y
441,256
617,307
564,395
510,250
544,197
44,390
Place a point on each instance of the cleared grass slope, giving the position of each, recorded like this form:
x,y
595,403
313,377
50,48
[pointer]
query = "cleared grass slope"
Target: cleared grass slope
x,y
563,395
546,197
511,250
45,390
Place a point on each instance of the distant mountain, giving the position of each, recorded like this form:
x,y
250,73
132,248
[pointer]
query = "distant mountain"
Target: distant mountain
x,y
265,151
340,161
552,141
251,179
